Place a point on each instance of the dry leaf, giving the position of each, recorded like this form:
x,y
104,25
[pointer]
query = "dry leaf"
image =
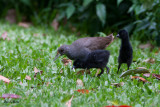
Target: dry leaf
x,y
97,72
11,16
61,71
28,77
140,78
44,34
147,74
139,70
35,35
118,106
10,96
156,53
68,103
66,61
37,71
83,71
144,46
149,60
55,24
24,24
20,83
4,79
79,83
118,84
84,91
157,76
48,83
4,35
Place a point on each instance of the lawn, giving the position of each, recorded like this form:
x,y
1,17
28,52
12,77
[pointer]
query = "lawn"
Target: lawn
x,y
36,47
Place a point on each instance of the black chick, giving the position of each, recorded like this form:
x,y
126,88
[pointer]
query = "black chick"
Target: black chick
x,y
126,51
95,59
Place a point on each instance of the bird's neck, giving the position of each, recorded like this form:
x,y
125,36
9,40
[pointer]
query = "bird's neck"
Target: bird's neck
x,y
125,41
71,52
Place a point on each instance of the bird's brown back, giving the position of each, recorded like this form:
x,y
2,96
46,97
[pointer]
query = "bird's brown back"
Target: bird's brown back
x,y
94,43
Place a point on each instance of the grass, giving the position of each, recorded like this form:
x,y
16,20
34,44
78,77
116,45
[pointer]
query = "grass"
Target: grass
x,y
25,51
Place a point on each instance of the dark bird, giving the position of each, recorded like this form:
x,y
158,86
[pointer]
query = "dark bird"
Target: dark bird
x,y
95,59
82,46
126,51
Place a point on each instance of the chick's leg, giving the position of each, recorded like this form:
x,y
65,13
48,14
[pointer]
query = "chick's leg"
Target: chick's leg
x,y
101,72
107,70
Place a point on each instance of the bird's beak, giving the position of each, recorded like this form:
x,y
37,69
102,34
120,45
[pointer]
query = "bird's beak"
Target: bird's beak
x,y
117,35
58,54
73,67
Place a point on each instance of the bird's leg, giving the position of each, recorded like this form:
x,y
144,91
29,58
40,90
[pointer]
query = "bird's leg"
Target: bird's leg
x,y
119,67
101,72
107,70
128,65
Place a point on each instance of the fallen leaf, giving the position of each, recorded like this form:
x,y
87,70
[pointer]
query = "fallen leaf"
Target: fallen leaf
x,y
36,72
79,83
28,77
11,16
24,24
44,34
20,83
118,84
140,78
73,29
156,53
55,24
35,35
10,96
83,71
141,68
61,71
48,83
124,106
134,71
150,60
84,91
144,46
66,61
4,79
147,74
4,35
68,103
118,106
97,72
157,76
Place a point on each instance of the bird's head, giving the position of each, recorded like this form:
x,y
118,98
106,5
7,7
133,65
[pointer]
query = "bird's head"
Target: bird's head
x,y
122,34
62,50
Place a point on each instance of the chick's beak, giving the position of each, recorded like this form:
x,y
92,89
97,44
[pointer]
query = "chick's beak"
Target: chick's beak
x,y
58,54
73,67
117,35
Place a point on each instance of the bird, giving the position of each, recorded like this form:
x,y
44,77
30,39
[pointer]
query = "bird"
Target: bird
x,y
82,46
95,59
126,51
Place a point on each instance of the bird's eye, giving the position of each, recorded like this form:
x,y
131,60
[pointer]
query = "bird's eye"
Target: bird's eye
x,y
61,51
